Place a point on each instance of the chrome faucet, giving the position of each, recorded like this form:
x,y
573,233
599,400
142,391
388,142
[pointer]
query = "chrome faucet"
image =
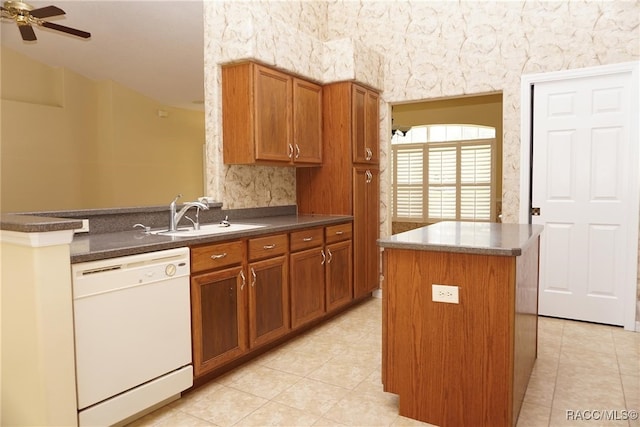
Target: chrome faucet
x,y
174,218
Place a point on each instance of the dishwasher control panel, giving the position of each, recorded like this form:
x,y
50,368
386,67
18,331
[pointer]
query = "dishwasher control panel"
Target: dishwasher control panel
x,y
99,276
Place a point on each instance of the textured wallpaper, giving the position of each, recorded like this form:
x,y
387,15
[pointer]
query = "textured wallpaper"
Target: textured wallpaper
x,y
440,49
287,35
410,50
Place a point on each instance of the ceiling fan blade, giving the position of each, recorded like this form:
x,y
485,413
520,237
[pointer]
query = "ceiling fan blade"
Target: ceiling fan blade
x,y
27,33
67,30
45,12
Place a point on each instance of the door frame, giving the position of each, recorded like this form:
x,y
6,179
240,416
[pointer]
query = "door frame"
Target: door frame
x,y
527,82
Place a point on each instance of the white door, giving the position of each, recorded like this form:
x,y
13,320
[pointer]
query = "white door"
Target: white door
x,y
585,187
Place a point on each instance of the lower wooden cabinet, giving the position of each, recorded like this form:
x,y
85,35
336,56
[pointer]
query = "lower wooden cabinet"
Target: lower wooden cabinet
x,y
237,309
248,293
218,318
307,276
339,286
268,289
339,266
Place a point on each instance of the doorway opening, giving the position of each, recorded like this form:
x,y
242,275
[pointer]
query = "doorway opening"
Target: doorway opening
x,y
446,161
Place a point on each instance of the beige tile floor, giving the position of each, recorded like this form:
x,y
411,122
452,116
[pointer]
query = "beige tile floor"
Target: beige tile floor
x,y
330,376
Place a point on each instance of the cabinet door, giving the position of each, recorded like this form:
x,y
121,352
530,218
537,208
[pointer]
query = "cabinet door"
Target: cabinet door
x,y
371,129
268,300
364,130
218,304
366,186
307,286
339,274
307,122
272,115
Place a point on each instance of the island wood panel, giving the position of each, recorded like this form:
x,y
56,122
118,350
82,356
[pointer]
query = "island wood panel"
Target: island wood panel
x,y
526,322
450,364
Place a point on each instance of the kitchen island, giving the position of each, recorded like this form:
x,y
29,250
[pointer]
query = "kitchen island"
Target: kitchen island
x,y
461,354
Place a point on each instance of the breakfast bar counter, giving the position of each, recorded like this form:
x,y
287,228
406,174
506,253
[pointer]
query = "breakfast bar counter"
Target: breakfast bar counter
x,y
461,353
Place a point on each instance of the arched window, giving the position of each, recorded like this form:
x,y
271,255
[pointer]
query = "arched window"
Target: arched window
x,y
443,172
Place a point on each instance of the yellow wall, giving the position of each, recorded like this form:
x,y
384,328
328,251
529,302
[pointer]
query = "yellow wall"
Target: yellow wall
x,y
38,370
72,143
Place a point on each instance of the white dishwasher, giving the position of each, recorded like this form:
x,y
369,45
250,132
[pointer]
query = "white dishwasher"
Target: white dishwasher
x,y
132,318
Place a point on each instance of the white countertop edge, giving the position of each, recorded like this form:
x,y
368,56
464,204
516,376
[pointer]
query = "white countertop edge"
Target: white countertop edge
x,y
37,239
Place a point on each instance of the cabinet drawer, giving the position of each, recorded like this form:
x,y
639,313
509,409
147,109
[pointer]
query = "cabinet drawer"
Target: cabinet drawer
x,y
337,233
216,256
264,247
306,239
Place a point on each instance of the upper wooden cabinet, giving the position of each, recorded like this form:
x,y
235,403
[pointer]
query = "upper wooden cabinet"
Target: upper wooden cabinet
x,y
365,134
270,117
307,122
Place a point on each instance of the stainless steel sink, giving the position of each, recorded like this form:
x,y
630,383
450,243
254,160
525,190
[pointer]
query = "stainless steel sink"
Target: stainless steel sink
x,y
208,230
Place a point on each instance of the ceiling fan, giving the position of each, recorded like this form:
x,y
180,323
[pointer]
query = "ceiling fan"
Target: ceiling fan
x,y
26,15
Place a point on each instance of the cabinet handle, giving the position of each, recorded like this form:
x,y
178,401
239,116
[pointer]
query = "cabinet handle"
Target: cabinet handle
x,y
369,154
330,256
369,176
290,151
253,277
339,233
297,151
271,246
324,257
307,239
218,256
244,279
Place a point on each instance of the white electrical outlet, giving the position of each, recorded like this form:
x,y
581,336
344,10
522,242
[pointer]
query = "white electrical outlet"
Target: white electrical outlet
x,y
445,293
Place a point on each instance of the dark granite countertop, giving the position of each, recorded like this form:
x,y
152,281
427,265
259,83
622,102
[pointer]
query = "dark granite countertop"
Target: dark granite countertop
x,y
110,245
36,223
466,237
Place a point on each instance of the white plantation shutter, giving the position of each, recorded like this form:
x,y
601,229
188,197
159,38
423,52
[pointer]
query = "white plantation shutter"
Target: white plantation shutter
x,y
443,181
475,182
408,195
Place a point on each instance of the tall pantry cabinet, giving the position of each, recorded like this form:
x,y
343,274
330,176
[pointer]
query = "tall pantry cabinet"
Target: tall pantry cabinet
x,y
348,181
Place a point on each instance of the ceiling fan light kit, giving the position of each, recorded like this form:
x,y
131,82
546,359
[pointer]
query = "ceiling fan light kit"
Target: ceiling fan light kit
x,y
25,16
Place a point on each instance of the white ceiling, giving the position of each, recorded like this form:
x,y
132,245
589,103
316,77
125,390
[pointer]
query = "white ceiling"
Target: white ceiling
x,y
154,47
